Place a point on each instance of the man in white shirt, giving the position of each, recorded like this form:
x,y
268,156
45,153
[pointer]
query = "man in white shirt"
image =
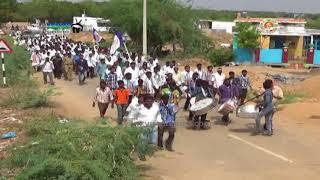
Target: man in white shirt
x,y
219,78
177,76
134,71
149,116
186,75
148,83
200,72
158,78
47,69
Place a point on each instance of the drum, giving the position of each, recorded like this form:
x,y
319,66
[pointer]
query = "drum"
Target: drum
x,y
248,111
228,107
202,107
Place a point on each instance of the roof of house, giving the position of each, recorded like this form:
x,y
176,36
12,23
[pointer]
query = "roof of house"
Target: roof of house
x,y
278,20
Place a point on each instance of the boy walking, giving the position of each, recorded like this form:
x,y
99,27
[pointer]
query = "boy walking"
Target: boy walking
x,y
168,116
121,96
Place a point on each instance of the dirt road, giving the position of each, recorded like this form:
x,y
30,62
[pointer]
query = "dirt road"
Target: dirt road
x,y
222,152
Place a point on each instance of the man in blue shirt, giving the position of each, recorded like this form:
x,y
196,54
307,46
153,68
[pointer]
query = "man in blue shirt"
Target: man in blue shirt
x,y
168,115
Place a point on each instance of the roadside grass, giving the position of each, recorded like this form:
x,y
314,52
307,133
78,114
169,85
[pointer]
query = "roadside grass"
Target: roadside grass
x,y
289,97
72,151
292,97
24,90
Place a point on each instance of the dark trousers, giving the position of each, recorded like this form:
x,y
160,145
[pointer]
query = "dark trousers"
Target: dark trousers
x,y
103,108
187,103
121,108
171,130
45,77
90,72
243,95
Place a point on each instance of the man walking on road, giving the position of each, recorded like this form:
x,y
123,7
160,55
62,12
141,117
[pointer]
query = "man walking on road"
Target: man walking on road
x,y
103,96
121,98
82,70
47,69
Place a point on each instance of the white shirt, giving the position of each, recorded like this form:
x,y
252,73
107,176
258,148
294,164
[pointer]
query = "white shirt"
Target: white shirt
x,y
148,116
47,66
134,73
177,77
186,77
168,69
218,79
201,74
148,84
158,80
119,73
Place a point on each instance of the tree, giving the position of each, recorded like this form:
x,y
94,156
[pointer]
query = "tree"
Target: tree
x,y
168,21
247,36
7,8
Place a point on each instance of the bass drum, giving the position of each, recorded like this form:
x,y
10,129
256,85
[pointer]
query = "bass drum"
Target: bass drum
x,y
228,107
202,107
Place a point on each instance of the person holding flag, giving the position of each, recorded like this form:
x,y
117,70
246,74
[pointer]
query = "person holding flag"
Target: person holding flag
x,y
96,36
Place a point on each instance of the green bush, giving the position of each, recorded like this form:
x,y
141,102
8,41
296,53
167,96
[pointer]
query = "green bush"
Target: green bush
x,y
219,57
71,151
24,92
292,97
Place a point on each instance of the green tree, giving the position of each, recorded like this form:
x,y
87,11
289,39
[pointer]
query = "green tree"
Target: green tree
x,y
7,8
247,36
168,21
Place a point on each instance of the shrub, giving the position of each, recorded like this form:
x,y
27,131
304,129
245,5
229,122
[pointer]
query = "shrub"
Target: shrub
x,y
71,151
219,57
24,92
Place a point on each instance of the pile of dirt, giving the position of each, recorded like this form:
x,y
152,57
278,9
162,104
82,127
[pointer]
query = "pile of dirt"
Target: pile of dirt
x,y
87,36
310,86
219,38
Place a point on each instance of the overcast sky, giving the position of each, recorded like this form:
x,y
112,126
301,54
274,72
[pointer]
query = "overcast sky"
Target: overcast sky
x,y
297,6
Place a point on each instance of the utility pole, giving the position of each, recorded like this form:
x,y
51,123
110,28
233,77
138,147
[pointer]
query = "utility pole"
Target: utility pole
x,y
145,47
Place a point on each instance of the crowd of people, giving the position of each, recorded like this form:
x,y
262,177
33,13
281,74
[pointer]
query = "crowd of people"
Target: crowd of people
x,y
144,92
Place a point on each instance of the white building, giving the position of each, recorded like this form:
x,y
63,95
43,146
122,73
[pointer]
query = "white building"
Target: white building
x,y
218,26
89,23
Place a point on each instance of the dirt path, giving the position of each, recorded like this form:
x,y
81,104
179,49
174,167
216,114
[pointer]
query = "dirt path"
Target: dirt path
x,y
222,152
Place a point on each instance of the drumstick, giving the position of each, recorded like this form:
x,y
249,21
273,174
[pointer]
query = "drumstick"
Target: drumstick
x,y
251,99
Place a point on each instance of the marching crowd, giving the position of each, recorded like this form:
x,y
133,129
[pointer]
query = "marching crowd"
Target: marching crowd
x,y
144,91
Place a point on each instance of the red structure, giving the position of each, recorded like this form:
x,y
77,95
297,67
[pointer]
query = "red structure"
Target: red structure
x,y
310,56
285,55
257,55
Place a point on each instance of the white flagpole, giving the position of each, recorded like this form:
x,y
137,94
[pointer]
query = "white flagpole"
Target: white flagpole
x,y
145,49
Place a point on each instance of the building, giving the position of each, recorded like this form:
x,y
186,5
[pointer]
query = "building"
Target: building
x,y
217,26
282,40
88,23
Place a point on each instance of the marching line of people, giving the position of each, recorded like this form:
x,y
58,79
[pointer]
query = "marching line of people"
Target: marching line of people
x,y
145,93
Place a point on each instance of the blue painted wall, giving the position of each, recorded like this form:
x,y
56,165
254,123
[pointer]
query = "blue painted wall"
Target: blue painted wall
x,y
243,55
271,56
316,59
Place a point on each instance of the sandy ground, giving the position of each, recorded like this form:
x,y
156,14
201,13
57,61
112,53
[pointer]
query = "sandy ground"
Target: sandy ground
x,y
223,152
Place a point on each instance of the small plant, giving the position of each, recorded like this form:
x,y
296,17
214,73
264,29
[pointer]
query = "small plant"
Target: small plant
x,y
72,151
219,57
292,97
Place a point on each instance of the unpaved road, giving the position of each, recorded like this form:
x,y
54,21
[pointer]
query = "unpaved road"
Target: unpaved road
x,y
222,152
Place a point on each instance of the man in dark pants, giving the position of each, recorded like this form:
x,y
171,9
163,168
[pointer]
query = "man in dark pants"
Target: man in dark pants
x,y
82,70
191,87
168,115
58,66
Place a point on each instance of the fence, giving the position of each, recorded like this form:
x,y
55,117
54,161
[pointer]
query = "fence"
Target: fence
x,y
243,55
316,57
271,56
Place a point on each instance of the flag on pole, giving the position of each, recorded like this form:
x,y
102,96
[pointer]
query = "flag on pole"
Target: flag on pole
x,y
117,42
96,36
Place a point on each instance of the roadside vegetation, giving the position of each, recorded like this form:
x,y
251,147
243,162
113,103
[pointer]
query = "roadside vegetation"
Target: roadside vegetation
x,y
24,90
292,97
70,150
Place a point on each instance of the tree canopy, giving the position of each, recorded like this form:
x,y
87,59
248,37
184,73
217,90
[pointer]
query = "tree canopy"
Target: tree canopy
x,y
247,35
